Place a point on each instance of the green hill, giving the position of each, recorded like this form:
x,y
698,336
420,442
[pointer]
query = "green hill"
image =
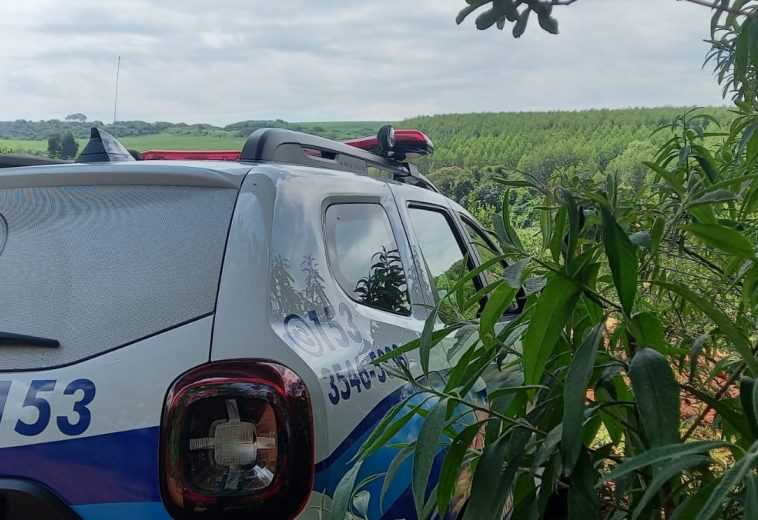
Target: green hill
x,y
469,147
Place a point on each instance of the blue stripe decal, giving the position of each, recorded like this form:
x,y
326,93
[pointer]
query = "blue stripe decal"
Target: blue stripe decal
x,y
366,424
116,467
115,475
399,498
123,511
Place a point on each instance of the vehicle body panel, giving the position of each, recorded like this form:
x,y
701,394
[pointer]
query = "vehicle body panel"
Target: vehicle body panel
x,y
277,300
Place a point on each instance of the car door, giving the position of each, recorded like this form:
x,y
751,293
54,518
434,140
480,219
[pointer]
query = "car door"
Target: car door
x,y
344,291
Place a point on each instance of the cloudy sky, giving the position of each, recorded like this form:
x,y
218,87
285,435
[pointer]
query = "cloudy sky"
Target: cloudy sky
x,y
223,61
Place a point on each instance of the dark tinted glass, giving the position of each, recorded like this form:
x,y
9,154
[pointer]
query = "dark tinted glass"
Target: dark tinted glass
x,y
442,252
364,257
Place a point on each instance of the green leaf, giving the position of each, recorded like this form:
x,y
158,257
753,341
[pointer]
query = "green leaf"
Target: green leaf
x,y
731,478
751,496
657,233
719,318
494,475
452,465
661,454
520,26
546,227
665,473
583,501
437,336
692,505
724,409
397,461
714,196
574,394
552,311
499,301
670,177
556,242
467,11
572,237
426,448
514,273
749,402
388,427
343,493
724,238
697,348
622,257
647,329
657,396
548,23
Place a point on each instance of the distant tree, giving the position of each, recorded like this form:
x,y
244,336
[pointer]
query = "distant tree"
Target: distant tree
x,y
76,117
69,146
54,145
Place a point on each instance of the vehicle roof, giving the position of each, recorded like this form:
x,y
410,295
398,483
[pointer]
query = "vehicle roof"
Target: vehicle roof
x,y
210,174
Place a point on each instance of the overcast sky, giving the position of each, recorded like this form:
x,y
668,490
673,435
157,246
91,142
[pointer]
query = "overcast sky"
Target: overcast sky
x,y
223,61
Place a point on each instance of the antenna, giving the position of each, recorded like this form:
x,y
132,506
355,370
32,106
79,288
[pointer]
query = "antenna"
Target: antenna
x,y
115,102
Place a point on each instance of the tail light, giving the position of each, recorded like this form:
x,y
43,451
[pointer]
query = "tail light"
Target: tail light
x,y
237,441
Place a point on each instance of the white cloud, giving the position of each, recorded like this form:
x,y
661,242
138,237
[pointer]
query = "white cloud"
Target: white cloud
x,y
229,60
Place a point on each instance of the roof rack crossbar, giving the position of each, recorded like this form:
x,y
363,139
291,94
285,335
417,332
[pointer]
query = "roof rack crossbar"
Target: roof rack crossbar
x,y
289,146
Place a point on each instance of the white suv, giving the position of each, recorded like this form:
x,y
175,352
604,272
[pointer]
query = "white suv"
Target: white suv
x,y
195,338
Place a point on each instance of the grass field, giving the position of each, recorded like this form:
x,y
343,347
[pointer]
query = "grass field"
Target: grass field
x,y
173,141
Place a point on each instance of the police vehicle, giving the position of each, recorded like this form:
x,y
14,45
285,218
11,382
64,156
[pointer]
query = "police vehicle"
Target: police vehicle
x,y
192,335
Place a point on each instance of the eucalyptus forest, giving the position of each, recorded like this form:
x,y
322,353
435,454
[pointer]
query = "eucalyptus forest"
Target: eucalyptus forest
x,y
626,388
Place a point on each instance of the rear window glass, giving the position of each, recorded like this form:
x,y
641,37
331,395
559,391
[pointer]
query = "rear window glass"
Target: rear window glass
x,y
364,256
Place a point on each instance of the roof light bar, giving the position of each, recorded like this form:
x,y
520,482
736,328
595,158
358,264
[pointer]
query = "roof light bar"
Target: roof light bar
x,y
401,144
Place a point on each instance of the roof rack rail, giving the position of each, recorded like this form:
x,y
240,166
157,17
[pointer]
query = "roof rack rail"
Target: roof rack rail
x,y
12,160
289,146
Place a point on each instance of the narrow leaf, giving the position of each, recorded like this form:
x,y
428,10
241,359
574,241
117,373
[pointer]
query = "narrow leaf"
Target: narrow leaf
x,y
494,476
661,454
397,461
498,302
731,478
724,238
714,196
622,257
574,393
426,448
583,500
342,494
665,473
452,465
719,318
748,391
647,329
552,311
657,396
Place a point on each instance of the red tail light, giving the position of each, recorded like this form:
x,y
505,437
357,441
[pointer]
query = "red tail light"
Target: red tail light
x,y
237,441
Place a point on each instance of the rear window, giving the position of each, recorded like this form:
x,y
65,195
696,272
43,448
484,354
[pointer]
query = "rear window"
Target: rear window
x,y
98,267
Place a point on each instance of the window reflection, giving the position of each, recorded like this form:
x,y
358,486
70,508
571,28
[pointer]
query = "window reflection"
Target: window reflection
x,y
444,257
365,258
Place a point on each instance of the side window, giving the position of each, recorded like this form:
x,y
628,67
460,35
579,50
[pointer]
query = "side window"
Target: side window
x,y
487,251
443,252
486,248
364,256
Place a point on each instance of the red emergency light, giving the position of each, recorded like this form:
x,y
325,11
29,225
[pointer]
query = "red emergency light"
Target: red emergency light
x,y
402,144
